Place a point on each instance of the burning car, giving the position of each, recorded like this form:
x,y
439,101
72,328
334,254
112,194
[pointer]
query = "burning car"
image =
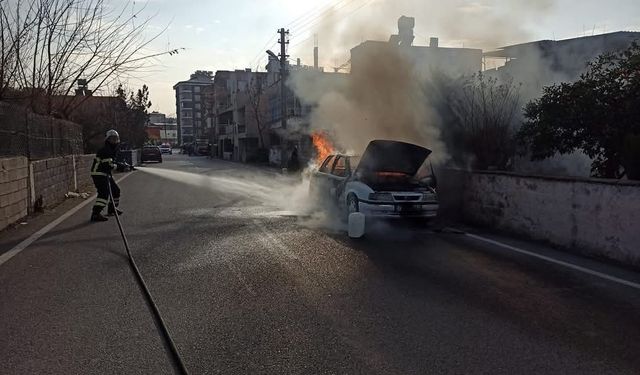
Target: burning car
x,y
384,182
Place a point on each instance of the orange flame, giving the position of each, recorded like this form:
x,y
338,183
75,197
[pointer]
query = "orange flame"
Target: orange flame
x,y
323,146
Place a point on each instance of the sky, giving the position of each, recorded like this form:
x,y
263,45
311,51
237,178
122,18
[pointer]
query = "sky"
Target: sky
x,y
222,35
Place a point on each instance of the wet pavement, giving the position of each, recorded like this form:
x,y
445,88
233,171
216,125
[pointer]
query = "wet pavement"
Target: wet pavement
x,y
251,280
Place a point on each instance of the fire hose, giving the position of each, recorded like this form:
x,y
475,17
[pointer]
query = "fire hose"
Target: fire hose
x,y
175,355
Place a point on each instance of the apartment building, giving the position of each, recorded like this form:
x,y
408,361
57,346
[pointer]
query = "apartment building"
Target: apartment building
x,y
192,123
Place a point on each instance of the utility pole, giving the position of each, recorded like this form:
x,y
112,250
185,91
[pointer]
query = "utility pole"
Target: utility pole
x,y
284,40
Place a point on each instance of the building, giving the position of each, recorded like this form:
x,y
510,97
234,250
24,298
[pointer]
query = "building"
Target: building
x,y
237,113
192,123
162,129
297,132
399,52
537,64
545,62
423,59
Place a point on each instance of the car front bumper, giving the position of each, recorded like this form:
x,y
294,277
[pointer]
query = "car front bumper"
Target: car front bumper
x,y
400,210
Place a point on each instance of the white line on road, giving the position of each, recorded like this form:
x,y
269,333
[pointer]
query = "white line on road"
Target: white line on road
x,y
556,261
34,237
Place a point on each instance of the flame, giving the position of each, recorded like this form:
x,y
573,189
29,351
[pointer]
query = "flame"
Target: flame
x,y
323,146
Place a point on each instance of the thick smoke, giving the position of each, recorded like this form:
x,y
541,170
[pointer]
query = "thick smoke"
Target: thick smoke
x,y
383,99
477,24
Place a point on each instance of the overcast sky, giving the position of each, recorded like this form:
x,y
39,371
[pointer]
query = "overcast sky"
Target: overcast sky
x,y
220,35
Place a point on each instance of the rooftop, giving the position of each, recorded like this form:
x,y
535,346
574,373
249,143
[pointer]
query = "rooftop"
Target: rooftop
x,y
516,50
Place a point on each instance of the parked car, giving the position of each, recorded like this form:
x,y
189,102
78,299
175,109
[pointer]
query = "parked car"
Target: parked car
x,y
382,183
202,148
166,149
151,153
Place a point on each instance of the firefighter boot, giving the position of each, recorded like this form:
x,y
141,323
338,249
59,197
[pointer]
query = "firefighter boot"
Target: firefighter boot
x,y
112,212
97,217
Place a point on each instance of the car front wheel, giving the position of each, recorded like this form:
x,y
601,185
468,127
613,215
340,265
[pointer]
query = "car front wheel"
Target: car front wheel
x,y
352,204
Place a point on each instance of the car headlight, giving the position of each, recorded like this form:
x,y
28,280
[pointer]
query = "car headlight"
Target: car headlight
x,y
429,197
381,197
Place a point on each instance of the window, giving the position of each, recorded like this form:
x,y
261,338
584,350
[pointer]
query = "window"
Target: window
x,y
198,115
340,167
186,122
326,166
196,89
186,114
196,98
186,104
198,105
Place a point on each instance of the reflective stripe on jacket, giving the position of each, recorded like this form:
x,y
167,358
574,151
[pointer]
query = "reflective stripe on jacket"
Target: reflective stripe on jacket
x,y
104,162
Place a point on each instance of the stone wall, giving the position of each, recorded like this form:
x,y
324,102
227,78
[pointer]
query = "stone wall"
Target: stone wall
x,y
596,217
14,191
57,176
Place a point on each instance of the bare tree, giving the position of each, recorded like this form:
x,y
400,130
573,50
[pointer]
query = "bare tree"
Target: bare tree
x,y
485,111
48,45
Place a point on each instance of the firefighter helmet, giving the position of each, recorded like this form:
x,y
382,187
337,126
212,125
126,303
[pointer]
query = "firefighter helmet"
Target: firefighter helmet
x,y
112,133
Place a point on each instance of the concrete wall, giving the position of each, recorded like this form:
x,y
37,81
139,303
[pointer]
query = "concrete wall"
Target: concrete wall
x,y
592,216
14,192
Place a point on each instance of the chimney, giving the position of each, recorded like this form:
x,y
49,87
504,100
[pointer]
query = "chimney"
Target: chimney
x,y
298,61
433,42
315,57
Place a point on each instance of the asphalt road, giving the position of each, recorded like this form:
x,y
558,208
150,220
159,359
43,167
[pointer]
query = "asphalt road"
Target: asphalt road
x,y
252,281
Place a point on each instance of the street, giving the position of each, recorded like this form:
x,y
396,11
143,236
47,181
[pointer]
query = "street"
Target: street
x,y
251,279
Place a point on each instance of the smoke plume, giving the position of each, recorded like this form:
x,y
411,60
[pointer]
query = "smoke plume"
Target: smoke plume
x,y
385,97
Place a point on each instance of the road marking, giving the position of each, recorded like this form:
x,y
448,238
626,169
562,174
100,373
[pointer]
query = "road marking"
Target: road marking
x,y
556,261
34,237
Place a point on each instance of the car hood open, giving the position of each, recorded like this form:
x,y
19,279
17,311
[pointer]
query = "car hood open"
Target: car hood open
x,y
392,156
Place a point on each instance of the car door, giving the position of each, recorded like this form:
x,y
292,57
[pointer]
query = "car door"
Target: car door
x,y
337,177
320,185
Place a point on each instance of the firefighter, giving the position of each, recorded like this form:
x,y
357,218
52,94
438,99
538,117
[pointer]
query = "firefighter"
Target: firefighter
x,y
101,168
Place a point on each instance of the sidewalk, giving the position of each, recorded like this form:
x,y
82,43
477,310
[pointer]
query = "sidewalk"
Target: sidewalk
x,y
16,233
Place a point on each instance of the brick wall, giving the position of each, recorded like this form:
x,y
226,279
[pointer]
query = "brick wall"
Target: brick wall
x,y
14,192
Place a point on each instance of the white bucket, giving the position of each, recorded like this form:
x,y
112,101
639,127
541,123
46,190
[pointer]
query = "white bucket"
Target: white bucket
x,y
356,225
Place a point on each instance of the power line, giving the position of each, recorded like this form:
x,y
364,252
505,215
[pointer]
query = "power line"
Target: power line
x,y
321,21
321,18
308,15
322,13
